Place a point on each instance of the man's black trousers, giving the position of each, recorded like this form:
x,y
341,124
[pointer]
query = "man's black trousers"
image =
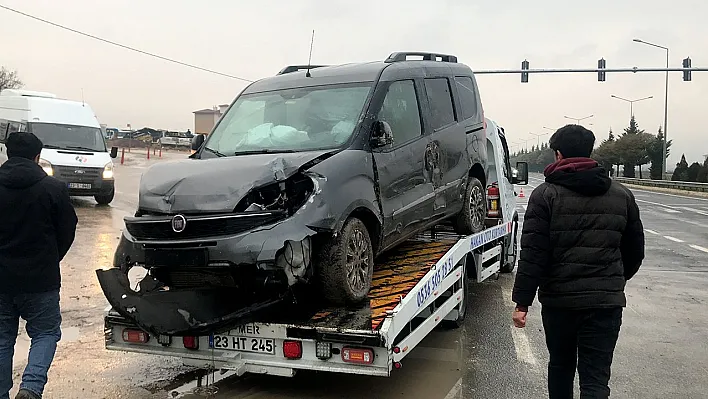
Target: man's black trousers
x,y
584,339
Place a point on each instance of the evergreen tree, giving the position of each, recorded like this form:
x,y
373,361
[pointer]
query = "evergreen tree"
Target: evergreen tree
x,y
693,171
681,171
703,173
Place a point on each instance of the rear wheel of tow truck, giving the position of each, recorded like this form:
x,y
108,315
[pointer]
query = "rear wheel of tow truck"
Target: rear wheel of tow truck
x,y
105,199
462,307
509,265
470,220
346,264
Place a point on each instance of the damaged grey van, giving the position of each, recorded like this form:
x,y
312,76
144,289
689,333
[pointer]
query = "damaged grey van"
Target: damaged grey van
x,y
307,178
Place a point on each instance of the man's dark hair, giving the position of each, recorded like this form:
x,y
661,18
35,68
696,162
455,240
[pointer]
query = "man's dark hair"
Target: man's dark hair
x,y
23,145
573,141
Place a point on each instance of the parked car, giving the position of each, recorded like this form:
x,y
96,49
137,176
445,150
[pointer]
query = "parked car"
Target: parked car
x,y
309,176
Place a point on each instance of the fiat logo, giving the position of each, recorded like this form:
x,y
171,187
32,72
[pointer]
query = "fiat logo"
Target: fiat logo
x,y
179,223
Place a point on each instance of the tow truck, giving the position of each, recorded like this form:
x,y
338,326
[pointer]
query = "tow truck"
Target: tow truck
x,y
416,287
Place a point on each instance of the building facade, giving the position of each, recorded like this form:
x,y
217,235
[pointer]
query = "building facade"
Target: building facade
x,y
205,119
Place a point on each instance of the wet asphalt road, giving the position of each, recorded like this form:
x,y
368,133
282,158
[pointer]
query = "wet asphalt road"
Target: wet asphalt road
x,y
662,351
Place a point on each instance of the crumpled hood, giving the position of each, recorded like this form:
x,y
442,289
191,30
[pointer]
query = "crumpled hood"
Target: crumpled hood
x,y
216,184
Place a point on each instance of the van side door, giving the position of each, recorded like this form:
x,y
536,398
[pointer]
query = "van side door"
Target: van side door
x,y
448,143
405,187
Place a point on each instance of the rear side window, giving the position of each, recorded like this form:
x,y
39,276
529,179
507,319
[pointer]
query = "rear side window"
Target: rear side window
x,y
3,130
400,110
468,96
440,98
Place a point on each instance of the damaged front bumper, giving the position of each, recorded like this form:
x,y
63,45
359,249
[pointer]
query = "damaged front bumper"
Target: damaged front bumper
x,y
181,312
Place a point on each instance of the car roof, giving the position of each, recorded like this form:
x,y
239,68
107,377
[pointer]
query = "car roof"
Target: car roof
x,y
355,73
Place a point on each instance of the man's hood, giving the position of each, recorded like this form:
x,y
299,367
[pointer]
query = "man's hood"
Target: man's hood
x,y
19,173
582,175
217,184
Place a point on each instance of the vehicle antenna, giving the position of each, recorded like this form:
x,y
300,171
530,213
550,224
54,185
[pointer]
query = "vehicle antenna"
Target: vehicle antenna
x,y
309,61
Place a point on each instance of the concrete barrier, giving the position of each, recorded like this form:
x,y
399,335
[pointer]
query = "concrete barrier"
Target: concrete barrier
x,y
672,185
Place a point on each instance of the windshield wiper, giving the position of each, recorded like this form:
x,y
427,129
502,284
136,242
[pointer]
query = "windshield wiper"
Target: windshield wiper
x,y
72,147
215,152
263,151
53,147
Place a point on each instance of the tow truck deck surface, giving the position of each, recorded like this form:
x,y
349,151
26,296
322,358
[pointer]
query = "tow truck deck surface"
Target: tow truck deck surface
x,y
414,288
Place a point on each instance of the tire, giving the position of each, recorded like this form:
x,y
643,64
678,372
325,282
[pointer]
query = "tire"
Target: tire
x,y
462,307
346,264
471,218
508,267
105,199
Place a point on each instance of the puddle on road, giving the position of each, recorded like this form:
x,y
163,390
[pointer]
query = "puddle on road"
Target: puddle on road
x,y
22,345
197,384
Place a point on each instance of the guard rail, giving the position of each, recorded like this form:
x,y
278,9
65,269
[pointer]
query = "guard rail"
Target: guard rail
x,y
675,185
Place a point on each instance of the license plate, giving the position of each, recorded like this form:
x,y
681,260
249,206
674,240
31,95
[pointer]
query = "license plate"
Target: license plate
x,y
177,257
82,186
243,344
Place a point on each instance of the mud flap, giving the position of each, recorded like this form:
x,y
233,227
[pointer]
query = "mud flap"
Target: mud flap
x,y
181,312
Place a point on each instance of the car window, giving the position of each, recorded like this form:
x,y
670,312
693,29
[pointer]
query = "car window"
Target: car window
x,y
443,113
400,109
3,130
14,127
468,96
507,160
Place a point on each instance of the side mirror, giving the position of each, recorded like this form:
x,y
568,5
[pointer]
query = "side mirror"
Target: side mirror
x,y
114,152
197,141
382,134
522,174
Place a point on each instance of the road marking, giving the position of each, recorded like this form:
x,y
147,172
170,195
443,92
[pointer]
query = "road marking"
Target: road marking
x,y
655,203
698,247
456,391
651,232
694,210
669,210
521,340
674,239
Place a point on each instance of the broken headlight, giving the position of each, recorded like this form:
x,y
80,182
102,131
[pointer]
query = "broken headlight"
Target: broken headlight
x,y
286,195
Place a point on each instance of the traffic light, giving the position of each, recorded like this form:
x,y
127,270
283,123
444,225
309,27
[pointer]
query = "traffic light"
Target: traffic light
x,y
524,75
601,74
687,74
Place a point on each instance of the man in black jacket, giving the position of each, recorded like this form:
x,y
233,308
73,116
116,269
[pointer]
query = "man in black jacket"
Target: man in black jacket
x,y
37,229
582,240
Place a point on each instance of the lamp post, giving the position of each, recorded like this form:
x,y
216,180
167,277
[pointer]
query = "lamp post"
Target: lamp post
x,y
631,103
666,101
577,120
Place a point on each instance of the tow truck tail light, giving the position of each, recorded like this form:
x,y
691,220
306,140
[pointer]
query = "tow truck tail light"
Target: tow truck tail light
x,y
323,350
357,355
493,202
135,336
191,342
292,349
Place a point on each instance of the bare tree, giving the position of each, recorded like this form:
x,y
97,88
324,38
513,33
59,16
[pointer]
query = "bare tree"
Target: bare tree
x,y
9,79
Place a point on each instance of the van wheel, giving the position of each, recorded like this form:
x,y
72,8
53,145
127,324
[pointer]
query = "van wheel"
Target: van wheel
x,y
470,220
508,266
105,199
346,264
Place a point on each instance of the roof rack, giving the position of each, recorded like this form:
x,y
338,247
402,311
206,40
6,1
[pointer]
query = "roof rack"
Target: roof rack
x,y
403,56
296,68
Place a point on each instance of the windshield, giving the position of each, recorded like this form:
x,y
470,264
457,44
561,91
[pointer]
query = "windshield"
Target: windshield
x,y
69,137
302,119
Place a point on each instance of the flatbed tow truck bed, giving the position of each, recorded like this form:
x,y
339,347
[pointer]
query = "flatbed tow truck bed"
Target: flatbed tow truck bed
x,y
415,287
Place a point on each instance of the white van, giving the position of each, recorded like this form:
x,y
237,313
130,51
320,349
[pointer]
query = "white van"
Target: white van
x,y
74,147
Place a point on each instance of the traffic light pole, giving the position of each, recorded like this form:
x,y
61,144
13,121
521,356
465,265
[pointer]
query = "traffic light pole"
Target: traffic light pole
x,y
589,70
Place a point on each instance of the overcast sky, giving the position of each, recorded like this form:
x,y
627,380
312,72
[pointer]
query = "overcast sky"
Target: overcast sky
x,y
253,39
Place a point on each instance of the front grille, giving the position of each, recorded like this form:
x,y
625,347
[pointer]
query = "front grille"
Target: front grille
x,y
160,228
77,174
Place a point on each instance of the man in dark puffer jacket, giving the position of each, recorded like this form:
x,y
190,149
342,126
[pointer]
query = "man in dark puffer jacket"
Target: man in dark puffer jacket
x,y
582,240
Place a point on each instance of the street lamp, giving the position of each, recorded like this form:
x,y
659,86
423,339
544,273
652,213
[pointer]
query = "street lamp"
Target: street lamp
x,y
577,120
631,103
666,99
